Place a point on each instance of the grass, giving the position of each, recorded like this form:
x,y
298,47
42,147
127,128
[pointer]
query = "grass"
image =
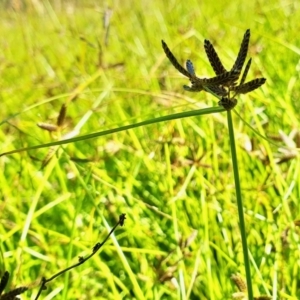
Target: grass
x,y
173,179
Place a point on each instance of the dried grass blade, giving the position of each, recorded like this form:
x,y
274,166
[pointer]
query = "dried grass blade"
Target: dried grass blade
x,y
47,126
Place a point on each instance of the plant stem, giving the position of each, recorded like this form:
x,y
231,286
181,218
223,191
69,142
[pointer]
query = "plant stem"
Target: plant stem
x,y
240,205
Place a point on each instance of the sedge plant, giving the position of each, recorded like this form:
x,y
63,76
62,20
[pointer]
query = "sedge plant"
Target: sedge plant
x,y
226,88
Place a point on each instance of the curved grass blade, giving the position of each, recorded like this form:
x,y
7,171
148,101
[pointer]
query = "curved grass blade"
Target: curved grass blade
x,y
249,86
256,131
174,61
213,58
238,65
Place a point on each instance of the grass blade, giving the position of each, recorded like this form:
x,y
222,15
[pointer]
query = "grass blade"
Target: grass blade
x,y
181,115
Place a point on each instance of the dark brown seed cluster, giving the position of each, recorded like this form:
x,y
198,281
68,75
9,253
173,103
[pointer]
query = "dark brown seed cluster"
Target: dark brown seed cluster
x,y
224,85
11,295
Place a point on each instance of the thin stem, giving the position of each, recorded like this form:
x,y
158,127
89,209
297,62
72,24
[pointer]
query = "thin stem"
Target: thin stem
x,y
81,259
240,205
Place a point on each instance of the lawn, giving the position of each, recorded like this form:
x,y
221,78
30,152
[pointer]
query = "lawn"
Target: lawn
x,y
83,67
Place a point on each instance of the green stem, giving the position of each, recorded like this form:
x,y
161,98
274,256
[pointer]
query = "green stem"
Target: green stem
x,y
240,205
192,113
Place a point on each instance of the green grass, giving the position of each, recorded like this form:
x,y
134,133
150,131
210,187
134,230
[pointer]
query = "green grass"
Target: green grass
x,y
173,179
